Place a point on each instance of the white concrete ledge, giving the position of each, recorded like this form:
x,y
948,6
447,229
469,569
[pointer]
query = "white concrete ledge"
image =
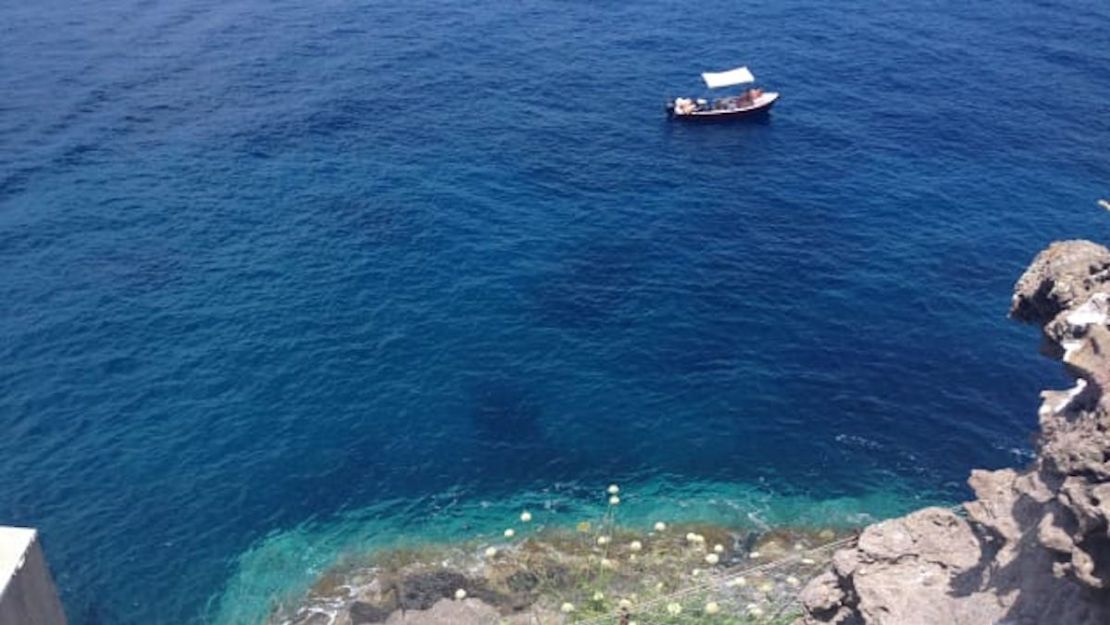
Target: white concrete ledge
x,y
27,592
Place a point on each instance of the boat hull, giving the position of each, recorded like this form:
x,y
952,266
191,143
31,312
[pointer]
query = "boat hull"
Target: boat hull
x,y
759,109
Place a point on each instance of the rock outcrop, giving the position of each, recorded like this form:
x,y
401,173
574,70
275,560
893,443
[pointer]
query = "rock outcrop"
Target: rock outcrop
x,y
1033,548
558,576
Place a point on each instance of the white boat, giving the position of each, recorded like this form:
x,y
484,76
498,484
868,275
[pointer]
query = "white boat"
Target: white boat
x,y
749,103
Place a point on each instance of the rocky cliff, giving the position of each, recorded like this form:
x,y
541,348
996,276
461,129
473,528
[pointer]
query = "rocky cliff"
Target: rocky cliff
x,y
1034,545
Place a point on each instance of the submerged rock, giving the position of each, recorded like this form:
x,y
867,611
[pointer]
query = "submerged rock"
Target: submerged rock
x,y
362,612
1034,547
533,580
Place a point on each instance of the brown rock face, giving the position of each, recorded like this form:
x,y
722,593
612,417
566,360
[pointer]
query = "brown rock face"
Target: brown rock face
x,y
448,612
1034,548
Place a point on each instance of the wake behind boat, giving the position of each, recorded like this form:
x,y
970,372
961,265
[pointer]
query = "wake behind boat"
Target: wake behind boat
x,y
752,102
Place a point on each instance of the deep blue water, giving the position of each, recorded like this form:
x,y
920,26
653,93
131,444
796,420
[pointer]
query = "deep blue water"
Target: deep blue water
x,y
271,271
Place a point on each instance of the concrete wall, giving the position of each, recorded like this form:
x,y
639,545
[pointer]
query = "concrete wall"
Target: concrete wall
x,y
27,592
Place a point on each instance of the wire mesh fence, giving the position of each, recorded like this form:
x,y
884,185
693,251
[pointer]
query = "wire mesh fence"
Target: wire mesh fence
x,y
720,586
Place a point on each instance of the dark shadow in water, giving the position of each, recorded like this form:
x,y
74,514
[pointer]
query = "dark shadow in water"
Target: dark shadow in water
x,y
679,128
504,413
712,140
92,613
510,443
593,289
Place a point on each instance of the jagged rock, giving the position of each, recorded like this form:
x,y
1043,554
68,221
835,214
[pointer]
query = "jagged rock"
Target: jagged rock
x,y
823,594
1034,548
929,547
1061,277
451,612
420,591
362,612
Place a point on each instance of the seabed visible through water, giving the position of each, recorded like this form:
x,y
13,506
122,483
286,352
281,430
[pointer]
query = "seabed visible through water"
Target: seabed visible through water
x,y
533,559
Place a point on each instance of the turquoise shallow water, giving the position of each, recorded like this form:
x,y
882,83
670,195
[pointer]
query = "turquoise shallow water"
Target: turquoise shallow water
x,y
280,280
278,569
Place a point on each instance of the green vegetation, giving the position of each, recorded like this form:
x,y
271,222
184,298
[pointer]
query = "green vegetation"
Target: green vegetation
x,y
598,570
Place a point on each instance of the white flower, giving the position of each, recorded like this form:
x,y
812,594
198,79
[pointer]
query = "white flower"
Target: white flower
x,y
691,537
624,604
754,555
719,548
614,501
613,489
599,596
754,610
566,608
712,558
491,551
509,533
793,581
699,539
712,608
525,516
658,586
606,563
460,594
603,540
808,561
674,609
739,581
660,526
766,587
635,545
633,623
799,546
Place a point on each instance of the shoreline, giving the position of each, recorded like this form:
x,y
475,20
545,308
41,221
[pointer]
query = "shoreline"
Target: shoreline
x,y
1033,546
575,575
278,571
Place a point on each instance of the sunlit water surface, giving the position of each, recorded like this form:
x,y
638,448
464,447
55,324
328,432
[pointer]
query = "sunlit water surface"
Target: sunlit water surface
x,y
282,280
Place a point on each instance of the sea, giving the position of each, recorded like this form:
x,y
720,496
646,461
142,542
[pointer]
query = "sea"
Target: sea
x,y
284,281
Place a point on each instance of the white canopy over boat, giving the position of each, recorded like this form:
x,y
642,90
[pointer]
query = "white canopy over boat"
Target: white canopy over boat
x,y
738,76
